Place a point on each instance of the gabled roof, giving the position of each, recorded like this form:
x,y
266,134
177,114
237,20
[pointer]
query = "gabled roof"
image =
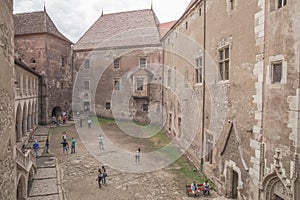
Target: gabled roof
x,y
124,29
36,22
165,27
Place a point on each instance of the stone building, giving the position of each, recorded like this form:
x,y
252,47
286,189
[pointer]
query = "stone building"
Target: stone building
x,y
118,64
241,59
27,98
7,135
39,43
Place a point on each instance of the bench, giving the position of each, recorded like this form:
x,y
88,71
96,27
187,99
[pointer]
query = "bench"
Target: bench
x,y
189,191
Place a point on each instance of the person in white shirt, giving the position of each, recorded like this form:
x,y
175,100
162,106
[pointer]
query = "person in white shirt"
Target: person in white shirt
x,y
100,139
137,155
194,188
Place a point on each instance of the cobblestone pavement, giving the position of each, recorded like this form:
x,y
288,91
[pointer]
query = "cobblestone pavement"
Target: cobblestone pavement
x,y
79,172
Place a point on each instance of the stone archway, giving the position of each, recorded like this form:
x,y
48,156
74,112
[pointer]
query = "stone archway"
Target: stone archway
x,y
30,180
274,189
56,111
29,125
19,123
24,120
21,188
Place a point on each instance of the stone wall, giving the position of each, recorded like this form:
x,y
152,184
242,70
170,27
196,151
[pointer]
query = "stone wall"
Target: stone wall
x,y
7,136
47,51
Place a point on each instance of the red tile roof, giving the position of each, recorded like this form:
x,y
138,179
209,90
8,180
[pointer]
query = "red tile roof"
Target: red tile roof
x,y
165,27
36,22
124,29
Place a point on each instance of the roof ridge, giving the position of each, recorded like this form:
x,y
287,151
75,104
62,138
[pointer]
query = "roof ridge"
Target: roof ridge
x,y
130,11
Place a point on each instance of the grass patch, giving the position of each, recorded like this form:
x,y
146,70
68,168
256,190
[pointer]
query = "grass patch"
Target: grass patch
x,y
186,172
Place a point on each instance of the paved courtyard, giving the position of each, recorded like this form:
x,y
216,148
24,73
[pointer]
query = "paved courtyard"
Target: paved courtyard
x,y
79,174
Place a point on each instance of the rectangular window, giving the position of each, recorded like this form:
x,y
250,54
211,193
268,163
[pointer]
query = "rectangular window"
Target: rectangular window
x,y
87,85
145,107
107,106
186,25
87,64
199,64
140,84
143,62
169,77
179,122
281,3
117,63
200,11
231,4
62,62
276,72
224,67
117,84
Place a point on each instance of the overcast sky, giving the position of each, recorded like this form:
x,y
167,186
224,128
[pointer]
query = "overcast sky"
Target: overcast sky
x,y
74,17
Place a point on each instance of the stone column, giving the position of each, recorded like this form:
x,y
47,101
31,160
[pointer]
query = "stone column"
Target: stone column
x,y
28,122
24,126
19,130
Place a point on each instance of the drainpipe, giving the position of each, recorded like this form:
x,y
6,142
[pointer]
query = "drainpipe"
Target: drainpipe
x,y
203,86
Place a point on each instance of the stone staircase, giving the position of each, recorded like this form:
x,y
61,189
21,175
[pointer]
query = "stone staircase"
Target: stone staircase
x,y
45,185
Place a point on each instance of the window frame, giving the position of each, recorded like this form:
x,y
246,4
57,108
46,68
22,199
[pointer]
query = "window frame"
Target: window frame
x,y
88,86
87,64
107,104
273,64
144,65
145,107
117,80
199,69
224,63
139,88
117,63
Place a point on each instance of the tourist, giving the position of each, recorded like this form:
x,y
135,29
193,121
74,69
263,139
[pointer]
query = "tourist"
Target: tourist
x,y
73,145
104,175
137,155
194,188
206,188
80,122
64,137
36,148
47,145
99,178
89,123
65,146
100,138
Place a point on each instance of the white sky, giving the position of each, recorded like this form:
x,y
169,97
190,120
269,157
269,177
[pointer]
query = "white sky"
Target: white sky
x,y
74,17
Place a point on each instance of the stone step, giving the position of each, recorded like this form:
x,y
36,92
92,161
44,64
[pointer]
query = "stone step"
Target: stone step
x,y
48,197
46,162
44,187
45,173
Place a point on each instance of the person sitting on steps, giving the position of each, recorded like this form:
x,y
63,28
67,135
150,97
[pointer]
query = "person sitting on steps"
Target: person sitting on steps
x,y
195,189
206,188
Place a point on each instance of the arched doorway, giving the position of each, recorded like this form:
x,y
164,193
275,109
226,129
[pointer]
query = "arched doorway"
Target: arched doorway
x,y
56,111
30,180
24,120
18,123
21,188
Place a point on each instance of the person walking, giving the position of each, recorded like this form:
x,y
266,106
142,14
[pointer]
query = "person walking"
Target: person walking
x,y
65,146
104,175
73,145
100,139
80,122
47,145
89,123
99,178
36,148
64,137
137,155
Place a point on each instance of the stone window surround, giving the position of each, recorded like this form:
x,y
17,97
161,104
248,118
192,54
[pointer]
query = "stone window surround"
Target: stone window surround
x,y
107,104
114,83
142,58
231,164
117,63
272,60
222,48
199,57
84,84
